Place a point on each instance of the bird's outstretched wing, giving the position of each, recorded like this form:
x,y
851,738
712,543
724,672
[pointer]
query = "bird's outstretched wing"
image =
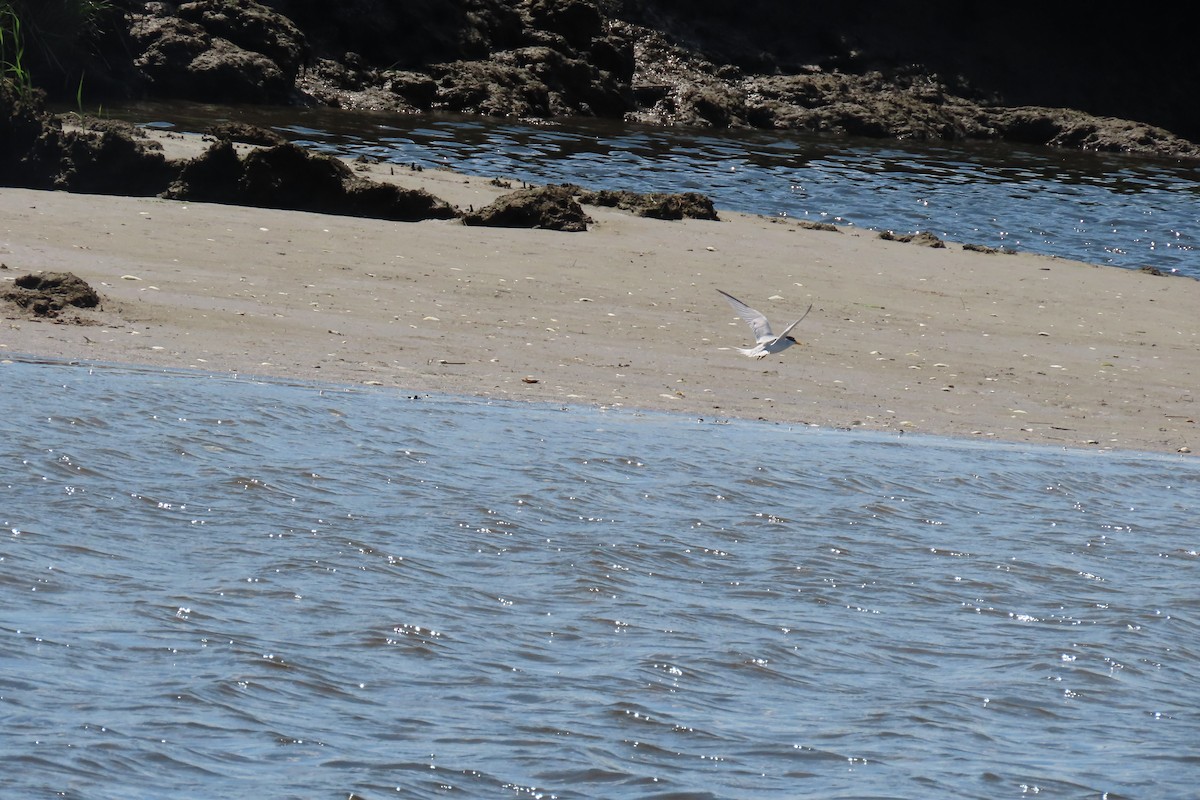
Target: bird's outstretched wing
x,y
757,321
794,324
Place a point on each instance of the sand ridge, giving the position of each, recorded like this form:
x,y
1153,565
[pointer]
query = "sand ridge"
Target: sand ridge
x,y
901,337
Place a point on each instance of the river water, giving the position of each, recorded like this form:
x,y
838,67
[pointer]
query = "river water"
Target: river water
x,y
1110,209
216,586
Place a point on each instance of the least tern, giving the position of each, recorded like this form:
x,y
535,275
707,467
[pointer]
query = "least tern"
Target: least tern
x,y
765,341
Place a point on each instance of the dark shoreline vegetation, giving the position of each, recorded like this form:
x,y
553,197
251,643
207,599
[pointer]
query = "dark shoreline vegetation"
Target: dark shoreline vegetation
x,y
936,72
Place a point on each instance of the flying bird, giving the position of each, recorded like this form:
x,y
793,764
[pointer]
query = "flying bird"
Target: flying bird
x,y
765,341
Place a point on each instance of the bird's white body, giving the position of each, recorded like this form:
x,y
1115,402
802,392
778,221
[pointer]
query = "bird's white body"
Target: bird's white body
x,y
765,342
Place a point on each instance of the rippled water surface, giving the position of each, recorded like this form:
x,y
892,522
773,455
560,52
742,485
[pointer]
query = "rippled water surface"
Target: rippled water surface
x,y
213,587
1099,208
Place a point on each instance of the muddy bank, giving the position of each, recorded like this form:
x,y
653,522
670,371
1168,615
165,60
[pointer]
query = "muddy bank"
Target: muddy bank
x,y
248,166
48,294
107,157
935,72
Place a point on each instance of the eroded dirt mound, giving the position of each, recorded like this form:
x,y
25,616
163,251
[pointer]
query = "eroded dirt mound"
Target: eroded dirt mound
x,y
552,207
22,121
924,238
109,158
46,294
656,205
107,161
288,176
211,177
248,134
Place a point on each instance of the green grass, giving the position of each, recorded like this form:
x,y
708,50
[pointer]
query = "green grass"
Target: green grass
x,y
12,52
51,37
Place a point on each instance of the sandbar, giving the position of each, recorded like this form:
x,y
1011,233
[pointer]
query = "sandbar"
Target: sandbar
x,y
902,337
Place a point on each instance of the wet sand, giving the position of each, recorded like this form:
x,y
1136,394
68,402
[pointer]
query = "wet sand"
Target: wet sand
x,y
902,337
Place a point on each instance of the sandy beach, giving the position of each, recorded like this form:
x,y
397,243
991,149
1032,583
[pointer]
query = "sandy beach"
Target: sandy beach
x,y
902,337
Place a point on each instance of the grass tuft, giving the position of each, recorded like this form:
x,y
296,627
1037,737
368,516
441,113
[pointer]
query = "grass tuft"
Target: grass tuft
x,y
12,52
55,37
